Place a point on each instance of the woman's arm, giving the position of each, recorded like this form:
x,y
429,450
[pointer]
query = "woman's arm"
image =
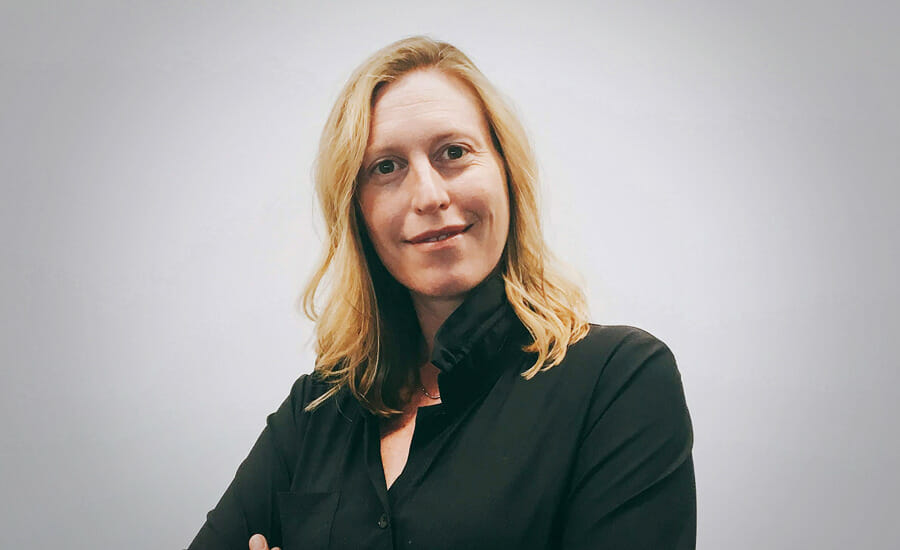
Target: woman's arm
x,y
633,480
249,505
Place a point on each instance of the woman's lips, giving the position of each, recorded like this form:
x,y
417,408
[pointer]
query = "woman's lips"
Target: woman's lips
x,y
451,241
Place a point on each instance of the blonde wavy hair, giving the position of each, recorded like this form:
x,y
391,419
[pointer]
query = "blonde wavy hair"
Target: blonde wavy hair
x,y
367,335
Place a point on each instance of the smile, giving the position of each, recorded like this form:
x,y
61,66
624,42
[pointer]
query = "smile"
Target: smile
x,y
441,241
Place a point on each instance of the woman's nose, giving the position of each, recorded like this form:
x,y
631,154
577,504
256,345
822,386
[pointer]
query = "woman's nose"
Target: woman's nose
x,y
429,193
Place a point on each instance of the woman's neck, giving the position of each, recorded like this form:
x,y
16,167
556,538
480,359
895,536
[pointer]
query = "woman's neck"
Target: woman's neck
x,y
432,312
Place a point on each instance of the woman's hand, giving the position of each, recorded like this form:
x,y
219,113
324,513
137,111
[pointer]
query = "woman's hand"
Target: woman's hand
x,y
258,542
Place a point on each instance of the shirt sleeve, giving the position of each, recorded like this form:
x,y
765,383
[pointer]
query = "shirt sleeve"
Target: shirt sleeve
x,y
249,504
632,484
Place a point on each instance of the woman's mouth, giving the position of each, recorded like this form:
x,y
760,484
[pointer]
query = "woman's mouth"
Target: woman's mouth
x,y
441,241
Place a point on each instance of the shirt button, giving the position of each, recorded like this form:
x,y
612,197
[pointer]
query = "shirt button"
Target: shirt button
x,y
383,521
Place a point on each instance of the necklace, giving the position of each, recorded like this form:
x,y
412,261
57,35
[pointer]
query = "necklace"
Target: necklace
x,y
421,387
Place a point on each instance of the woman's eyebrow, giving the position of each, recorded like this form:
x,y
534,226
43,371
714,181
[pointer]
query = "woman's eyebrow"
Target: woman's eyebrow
x,y
443,136
448,135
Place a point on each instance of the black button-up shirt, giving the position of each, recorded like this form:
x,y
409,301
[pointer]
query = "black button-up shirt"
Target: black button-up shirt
x,y
593,453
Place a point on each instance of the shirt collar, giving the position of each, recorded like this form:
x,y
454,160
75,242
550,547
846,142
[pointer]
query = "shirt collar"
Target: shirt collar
x,y
468,345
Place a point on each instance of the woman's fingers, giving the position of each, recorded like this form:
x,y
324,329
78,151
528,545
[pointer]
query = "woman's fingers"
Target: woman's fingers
x,y
258,542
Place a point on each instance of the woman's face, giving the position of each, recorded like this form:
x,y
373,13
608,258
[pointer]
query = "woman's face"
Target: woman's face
x,y
431,170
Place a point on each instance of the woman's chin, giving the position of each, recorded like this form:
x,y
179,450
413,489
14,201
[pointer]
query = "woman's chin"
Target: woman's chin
x,y
444,287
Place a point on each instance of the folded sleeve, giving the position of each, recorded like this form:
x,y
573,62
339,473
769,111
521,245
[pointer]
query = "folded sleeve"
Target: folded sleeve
x,y
632,485
249,504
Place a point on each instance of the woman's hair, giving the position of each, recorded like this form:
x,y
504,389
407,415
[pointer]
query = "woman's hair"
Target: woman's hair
x,y
368,338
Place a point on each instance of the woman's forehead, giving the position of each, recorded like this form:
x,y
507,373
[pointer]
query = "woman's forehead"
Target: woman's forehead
x,y
424,105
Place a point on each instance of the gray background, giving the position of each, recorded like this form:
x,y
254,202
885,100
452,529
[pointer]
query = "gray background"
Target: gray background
x,y
723,175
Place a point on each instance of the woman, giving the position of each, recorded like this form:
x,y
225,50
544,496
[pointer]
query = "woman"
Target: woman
x,y
460,397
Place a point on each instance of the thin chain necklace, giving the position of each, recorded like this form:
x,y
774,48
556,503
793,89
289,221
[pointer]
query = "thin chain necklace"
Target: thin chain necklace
x,y
421,387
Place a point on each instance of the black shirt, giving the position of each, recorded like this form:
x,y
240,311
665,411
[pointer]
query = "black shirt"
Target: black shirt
x,y
593,453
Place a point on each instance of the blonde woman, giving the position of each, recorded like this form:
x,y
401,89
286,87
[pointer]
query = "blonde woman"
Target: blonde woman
x,y
461,398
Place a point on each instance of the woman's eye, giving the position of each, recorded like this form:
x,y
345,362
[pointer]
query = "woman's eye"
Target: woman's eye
x,y
454,152
385,167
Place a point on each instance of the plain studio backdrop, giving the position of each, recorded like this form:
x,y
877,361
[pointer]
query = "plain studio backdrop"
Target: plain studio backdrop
x,y
722,175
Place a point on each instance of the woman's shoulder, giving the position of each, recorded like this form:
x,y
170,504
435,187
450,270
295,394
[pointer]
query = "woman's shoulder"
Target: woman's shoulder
x,y
606,345
309,387
619,359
